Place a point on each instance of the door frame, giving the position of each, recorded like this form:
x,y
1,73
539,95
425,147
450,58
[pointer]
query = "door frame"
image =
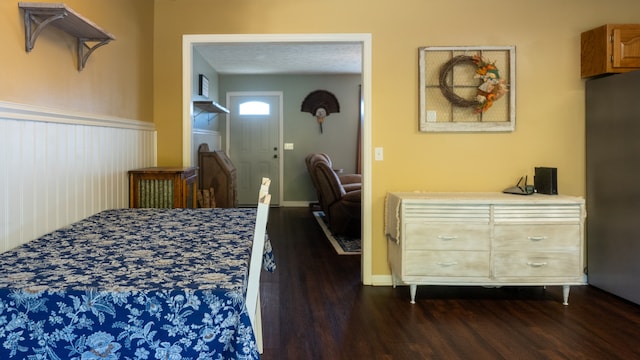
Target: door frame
x,y
280,95
188,43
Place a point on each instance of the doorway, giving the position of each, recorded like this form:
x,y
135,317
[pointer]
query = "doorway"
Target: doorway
x,y
190,41
253,142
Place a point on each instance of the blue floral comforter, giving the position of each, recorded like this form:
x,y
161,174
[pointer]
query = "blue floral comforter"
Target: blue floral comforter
x,y
132,284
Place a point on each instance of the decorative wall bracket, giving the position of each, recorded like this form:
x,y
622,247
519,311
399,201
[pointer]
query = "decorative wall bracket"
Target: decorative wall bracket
x,y
37,16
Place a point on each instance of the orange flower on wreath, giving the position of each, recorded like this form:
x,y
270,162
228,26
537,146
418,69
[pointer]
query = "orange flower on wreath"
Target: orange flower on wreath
x,y
492,87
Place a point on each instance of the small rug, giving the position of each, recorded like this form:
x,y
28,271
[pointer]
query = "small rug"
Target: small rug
x,y
344,245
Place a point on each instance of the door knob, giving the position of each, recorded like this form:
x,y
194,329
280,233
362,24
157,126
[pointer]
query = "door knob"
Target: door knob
x,y
275,156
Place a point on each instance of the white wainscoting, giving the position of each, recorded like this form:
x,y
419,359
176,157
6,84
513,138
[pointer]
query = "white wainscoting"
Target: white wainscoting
x,y
58,167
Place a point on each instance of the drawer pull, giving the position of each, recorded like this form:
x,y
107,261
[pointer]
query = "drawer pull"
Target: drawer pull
x,y
537,238
448,263
447,237
537,264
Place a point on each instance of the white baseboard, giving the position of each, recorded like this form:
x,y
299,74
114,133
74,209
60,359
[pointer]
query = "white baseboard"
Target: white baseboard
x,y
295,204
381,280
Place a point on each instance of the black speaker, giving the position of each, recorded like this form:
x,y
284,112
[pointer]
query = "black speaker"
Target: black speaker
x,y
546,180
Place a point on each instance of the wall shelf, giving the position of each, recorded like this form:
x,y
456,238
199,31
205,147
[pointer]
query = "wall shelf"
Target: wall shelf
x,y
37,16
210,107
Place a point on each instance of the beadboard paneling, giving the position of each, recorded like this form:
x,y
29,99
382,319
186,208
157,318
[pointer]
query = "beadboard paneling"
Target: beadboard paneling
x,y
57,167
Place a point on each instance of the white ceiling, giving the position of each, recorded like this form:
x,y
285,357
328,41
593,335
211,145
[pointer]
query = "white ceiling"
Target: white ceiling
x,y
283,58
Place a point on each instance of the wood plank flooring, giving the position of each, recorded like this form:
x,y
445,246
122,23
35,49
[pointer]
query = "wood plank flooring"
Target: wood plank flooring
x,y
314,306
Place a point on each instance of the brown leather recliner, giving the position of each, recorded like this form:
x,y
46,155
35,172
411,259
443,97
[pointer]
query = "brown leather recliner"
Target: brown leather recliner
x,y
342,208
350,182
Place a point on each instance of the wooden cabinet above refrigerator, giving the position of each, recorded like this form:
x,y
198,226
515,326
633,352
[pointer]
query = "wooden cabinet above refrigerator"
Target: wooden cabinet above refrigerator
x,y
610,49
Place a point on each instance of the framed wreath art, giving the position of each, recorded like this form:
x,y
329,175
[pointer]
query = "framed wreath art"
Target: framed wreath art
x,y
464,89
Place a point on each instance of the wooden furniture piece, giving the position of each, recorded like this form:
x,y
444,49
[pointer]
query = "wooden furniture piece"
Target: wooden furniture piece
x,y
163,187
487,239
37,16
610,49
218,172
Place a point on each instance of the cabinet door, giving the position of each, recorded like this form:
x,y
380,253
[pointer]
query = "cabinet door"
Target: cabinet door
x,y
610,49
626,47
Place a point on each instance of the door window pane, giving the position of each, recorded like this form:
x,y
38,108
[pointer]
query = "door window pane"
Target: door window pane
x,y
254,108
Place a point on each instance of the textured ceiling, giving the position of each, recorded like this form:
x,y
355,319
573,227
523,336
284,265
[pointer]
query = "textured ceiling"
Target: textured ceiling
x,y
283,58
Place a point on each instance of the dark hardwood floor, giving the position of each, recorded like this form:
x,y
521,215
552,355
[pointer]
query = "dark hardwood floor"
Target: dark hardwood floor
x,y
314,306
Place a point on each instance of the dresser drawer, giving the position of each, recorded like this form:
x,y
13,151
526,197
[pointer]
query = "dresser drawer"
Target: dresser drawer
x,y
537,237
447,263
423,236
536,264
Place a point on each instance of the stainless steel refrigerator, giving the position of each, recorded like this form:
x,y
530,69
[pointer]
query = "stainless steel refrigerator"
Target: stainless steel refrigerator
x,y
613,184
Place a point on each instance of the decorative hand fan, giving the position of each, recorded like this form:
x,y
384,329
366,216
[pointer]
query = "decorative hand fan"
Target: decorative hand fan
x,y
320,103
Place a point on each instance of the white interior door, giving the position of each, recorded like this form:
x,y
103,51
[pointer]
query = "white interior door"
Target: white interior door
x,y
254,143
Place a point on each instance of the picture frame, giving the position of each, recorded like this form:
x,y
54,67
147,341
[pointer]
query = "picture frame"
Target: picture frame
x,y
203,85
453,92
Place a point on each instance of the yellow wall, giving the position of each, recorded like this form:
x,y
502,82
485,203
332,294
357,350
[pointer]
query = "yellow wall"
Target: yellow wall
x,y
117,80
550,92
139,76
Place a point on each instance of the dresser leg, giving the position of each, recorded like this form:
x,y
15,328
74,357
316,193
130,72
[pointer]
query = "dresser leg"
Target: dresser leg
x,y
412,290
565,294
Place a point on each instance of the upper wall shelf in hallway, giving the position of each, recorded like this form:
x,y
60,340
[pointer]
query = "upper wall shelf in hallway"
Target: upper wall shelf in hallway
x,y
210,106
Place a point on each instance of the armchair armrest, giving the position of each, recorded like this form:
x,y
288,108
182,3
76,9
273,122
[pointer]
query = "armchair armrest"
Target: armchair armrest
x,y
353,196
350,178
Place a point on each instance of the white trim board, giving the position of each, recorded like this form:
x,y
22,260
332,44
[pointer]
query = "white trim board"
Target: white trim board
x,y
189,41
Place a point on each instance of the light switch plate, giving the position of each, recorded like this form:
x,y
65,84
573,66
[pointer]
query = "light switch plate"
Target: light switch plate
x,y
379,153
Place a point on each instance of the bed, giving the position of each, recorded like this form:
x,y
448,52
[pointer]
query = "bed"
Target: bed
x,y
132,284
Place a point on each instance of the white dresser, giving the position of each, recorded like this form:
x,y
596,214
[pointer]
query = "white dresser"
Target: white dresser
x,y
486,239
